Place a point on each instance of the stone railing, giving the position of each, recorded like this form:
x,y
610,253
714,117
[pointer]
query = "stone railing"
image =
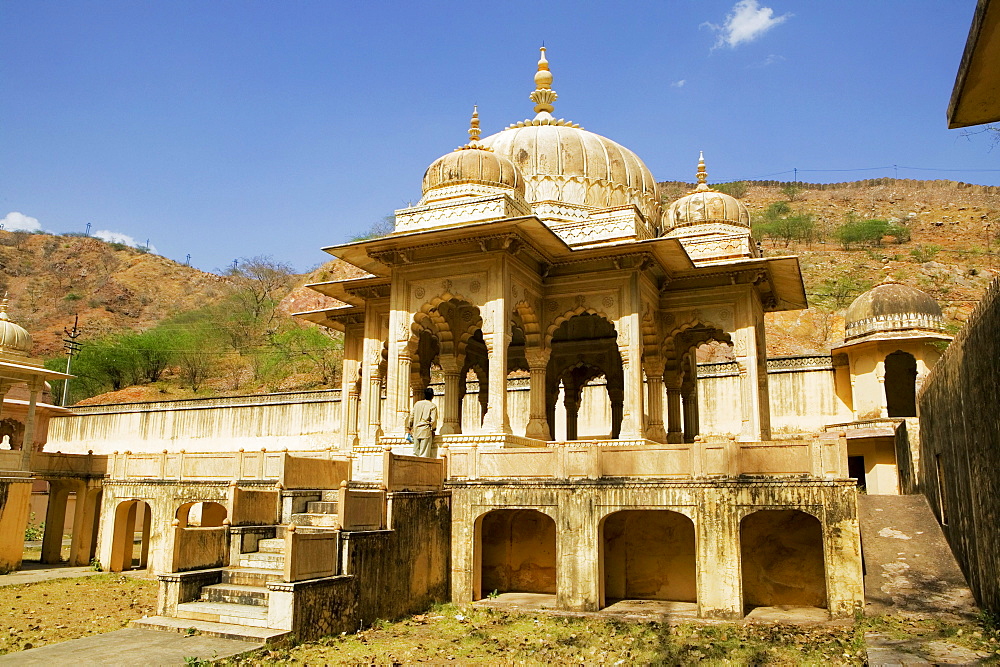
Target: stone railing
x,y
816,457
362,509
54,463
309,469
411,473
197,548
310,555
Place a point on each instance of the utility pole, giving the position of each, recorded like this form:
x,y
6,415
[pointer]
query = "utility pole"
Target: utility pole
x,y
72,347
87,233
188,260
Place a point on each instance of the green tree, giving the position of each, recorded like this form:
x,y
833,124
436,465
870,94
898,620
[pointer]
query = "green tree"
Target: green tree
x,y
792,191
869,233
318,349
383,227
736,189
778,222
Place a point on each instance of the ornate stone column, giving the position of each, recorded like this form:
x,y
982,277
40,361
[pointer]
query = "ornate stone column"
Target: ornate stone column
x,y
28,448
630,349
571,401
749,348
354,338
654,401
690,409
451,412
497,420
674,432
538,425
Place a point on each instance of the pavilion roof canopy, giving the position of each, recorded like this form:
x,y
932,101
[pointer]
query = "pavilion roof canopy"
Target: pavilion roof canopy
x,y
975,100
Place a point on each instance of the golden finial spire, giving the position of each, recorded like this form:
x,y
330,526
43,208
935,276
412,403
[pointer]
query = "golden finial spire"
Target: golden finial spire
x,y
474,130
543,96
3,306
702,174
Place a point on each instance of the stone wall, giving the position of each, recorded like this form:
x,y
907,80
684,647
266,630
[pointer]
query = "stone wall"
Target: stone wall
x,y
405,569
802,391
960,447
294,420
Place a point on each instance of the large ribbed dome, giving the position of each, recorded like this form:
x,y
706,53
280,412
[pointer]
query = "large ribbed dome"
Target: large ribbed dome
x,y
563,162
892,306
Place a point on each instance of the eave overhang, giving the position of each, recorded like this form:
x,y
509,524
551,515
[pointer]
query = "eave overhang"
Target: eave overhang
x,y
975,99
782,275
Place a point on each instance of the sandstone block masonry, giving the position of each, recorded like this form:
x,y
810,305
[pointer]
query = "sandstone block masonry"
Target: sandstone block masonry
x,y
960,447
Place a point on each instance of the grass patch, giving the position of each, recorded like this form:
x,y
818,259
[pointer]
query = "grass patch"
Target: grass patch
x,y
48,612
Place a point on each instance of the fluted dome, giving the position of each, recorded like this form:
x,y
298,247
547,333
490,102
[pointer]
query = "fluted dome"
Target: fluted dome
x,y
706,206
14,339
563,162
471,164
892,306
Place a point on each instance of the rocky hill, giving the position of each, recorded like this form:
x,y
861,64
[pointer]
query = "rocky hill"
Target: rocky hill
x,y
113,287
952,253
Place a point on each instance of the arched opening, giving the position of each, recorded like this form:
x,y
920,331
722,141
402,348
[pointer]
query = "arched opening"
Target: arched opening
x,y
205,514
130,540
447,344
517,552
649,555
901,384
782,559
585,372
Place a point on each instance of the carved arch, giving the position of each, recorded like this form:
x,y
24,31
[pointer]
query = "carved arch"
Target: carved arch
x,y
569,314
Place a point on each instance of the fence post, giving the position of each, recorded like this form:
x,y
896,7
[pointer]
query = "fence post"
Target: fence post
x,y
289,553
342,505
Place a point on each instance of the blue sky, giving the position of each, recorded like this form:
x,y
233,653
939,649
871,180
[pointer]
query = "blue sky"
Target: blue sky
x,y
230,129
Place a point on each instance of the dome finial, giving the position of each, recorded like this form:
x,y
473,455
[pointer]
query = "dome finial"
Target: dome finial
x,y
543,96
3,306
474,130
702,173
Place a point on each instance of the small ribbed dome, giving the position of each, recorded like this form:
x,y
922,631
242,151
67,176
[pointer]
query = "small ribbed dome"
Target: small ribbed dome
x,y
475,165
14,339
705,205
472,164
892,306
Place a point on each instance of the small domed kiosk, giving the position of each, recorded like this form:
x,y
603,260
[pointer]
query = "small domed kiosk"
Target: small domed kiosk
x,y
893,335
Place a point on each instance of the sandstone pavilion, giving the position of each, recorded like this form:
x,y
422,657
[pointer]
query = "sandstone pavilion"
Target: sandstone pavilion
x,y
539,262
588,460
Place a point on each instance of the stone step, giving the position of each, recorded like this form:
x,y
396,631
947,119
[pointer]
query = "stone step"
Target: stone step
x,y
235,594
321,507
272,545
267,561
318,520
222,612
250,576
246,633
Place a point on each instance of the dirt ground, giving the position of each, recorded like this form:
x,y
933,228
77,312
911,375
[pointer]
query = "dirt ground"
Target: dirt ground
x,y
33,615
451,633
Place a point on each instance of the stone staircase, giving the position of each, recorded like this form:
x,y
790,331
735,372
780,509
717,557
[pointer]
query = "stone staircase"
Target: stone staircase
x,y
241,598
320,513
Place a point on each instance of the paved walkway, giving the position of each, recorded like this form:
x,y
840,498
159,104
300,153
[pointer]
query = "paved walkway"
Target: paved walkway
x,y
31,573
130,646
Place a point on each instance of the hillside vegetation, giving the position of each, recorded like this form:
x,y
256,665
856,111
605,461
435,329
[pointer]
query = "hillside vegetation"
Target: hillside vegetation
x,y
154,329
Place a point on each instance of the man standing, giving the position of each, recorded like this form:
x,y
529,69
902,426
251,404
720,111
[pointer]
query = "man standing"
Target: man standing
x,y
421,424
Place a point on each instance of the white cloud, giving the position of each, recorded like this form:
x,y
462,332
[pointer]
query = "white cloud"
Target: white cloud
x,y
745,22
19,222
117,237
770,60
679,84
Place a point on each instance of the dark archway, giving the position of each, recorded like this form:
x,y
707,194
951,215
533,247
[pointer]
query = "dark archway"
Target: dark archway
x,y
649,555
901,384
517,552
782,559
584,349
